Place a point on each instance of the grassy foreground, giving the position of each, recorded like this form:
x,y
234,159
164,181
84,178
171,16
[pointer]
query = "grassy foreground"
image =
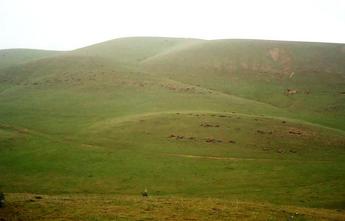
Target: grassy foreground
x,y
121,207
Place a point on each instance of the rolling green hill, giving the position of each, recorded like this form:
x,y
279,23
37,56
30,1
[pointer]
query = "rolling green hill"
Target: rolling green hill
x,y
136,49
259,122
266,71
11,57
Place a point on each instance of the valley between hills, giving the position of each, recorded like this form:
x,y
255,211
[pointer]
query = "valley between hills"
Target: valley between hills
x,y
209,129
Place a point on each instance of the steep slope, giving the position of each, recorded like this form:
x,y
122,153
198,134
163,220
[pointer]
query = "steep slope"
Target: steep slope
x,y
277,58
308,79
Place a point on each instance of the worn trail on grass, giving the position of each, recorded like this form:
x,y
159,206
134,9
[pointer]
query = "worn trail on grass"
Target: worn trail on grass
x,y
235,158
212,157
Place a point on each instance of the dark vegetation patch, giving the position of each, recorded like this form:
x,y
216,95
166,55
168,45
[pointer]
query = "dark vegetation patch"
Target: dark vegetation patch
x,y
209,125
207,139
264,132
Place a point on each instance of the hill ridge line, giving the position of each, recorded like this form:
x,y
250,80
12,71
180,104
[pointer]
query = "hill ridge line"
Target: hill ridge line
x,y
172,49
128,118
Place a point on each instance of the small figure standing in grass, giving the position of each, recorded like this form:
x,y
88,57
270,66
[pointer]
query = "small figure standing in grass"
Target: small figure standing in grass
x,y
2,200
145,193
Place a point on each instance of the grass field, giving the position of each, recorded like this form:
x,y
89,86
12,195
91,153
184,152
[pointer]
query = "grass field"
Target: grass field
x,y
207,127
122,207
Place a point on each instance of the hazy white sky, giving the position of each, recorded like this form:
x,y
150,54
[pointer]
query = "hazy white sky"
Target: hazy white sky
x,y
70,24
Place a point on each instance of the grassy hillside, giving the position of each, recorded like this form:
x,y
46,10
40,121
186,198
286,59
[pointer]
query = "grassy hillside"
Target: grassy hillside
x,y
187,119
11,57
266,71
134,50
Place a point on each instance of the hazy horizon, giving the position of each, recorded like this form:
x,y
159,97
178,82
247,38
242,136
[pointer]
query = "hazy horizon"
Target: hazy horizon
x,y
64,25
172,37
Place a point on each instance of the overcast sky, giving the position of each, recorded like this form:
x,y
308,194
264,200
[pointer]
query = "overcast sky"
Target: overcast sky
x,y
70,24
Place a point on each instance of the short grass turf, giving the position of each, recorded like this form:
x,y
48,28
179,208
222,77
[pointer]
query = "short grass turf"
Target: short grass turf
x,y
204,131
122,207
231,156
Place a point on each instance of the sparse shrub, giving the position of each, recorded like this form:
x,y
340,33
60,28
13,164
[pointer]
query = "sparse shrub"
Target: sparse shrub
x,y
2,199
145,193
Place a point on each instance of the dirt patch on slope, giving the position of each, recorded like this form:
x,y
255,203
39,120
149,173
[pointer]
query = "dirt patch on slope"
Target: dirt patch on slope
x,y
284,58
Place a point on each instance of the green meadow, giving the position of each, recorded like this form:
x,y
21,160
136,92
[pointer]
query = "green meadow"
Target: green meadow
x,y
214,130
